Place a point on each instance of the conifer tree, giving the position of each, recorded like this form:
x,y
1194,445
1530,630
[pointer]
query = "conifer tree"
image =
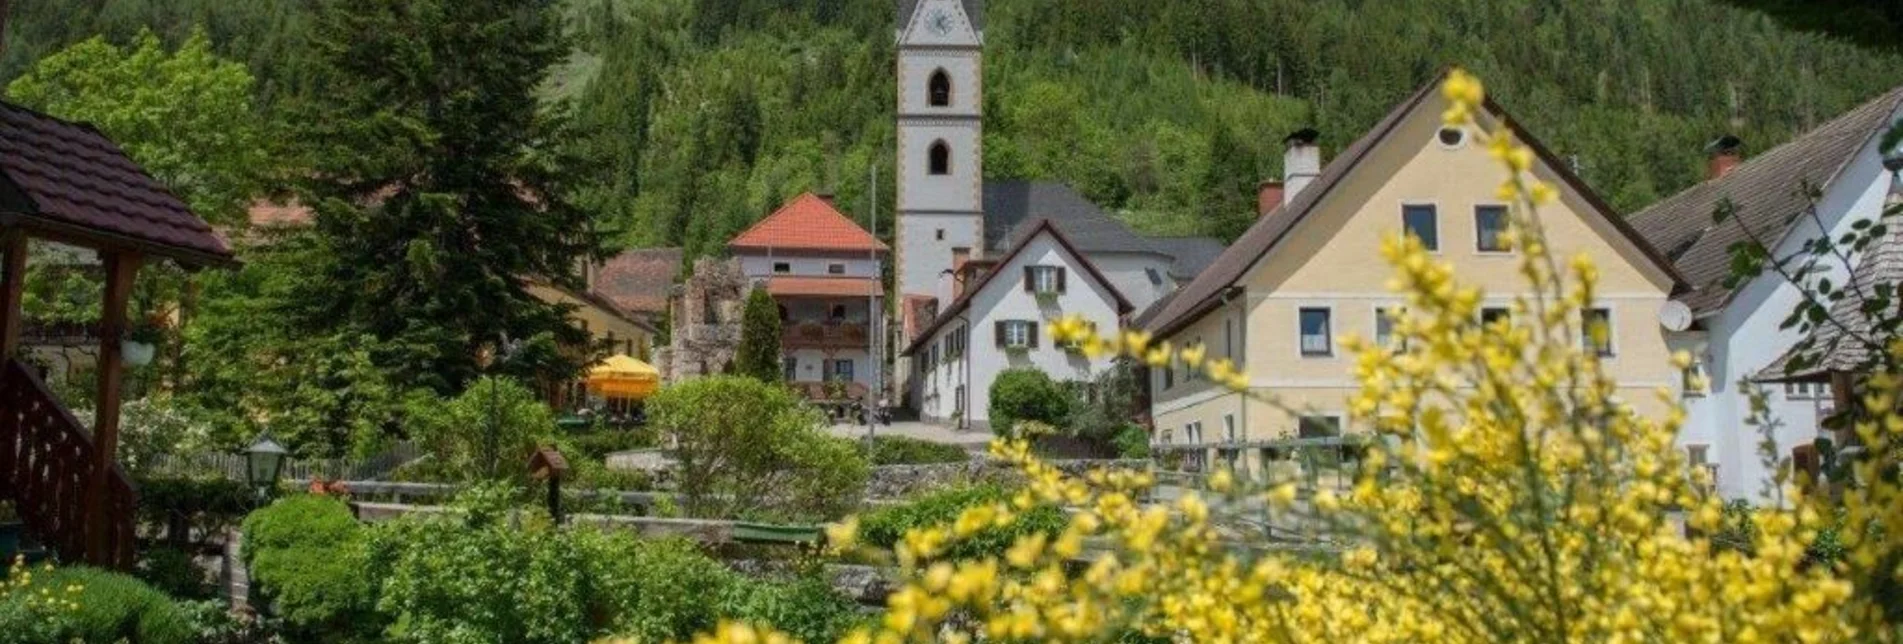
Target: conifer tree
x,y
758,356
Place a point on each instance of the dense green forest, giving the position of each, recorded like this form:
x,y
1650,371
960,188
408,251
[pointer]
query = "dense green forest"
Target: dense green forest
x,y
692,118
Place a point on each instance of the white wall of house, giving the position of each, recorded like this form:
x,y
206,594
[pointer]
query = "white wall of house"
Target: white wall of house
x,y
937,393
1743,338
1005,298
1132,274
818,365
808,265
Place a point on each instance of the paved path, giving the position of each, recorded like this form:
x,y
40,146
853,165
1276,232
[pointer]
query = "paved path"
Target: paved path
x,y
922,431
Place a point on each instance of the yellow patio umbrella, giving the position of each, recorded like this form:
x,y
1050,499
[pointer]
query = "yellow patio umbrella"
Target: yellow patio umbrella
x,y
622,376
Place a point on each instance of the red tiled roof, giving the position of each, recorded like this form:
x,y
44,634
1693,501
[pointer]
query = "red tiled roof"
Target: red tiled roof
x,y
807,223
264,213
76,183
823,286
638,280
919,311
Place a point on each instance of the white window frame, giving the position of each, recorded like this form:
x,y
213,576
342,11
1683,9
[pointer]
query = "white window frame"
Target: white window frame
x,y
1695,371
1328,330
1435,206
1806,391
1044,279
1014,330
1377,311
1505,211
1612,331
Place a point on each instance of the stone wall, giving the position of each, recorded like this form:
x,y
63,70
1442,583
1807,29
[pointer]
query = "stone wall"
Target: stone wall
x,y
704,317
899,481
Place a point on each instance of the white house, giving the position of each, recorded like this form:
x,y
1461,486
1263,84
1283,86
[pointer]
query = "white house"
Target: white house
x,y
950,218
1000,320
1733,331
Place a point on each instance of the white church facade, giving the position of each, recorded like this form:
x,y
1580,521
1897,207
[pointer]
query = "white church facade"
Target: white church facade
x,y
956,228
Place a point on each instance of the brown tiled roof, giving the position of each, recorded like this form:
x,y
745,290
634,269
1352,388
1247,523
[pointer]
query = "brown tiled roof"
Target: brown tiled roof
x,y
964,300
267,214
68,180
1768,192
1848,348
823,286
918,313
638,280
807,223
1204,292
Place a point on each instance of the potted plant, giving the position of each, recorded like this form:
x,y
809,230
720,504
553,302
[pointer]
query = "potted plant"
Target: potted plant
x,y
141,343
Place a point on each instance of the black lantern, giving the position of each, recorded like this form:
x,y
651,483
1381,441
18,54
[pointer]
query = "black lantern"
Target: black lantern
x,y
264,460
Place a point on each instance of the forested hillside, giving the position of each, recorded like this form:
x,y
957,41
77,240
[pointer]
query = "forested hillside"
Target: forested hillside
x,y
695,117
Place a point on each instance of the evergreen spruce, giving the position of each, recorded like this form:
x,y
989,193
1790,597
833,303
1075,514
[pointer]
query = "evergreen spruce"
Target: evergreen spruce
x,y
759,353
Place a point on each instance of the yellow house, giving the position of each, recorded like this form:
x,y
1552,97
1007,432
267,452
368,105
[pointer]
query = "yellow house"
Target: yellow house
x,y
605,322
1309,272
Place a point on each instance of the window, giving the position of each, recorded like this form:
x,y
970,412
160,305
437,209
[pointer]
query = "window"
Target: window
x,y
1492,314
782,267
1196,432
1805,391
842,370
839,312
1315,334
1421,222
1044,280
940,159
938,89
1595,331
1169,376
1017,334
1156,278
1384,319
1229,338
1077,345
941,234
1695,382
791,368
1229,427
1318,426
835,269
1490,226
1697,457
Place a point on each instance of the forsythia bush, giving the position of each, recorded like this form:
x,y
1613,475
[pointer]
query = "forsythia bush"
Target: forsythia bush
x,y
1514,498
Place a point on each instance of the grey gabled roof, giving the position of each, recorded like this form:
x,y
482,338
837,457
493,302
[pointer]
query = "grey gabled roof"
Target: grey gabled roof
x,y
1768,192
1850,348
1013,208
974,10
1192,254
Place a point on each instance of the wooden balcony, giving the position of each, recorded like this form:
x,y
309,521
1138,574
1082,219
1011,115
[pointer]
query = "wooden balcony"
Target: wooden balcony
x,y
823,335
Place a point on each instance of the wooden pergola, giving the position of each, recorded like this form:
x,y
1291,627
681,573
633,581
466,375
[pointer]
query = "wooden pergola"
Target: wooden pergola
x,y
66,182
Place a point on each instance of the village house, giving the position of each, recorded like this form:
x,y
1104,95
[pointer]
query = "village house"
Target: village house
x,y
1305,274
953,226
1735,331
823,272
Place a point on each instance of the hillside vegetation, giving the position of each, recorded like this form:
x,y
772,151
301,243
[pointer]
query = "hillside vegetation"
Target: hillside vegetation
x,y
695,117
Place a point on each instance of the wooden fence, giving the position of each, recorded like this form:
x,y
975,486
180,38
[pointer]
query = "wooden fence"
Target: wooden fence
x,y
233,466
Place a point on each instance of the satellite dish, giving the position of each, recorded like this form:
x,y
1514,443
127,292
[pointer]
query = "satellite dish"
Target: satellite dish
x,y
1675,316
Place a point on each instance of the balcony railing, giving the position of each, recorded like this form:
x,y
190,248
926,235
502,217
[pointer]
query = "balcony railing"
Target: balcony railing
x,y
824,334
46,460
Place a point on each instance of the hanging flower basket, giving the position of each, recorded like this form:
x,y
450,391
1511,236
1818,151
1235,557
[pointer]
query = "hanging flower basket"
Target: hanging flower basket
x,y
136,353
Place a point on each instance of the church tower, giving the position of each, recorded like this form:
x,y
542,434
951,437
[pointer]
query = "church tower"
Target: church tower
x,y
940,132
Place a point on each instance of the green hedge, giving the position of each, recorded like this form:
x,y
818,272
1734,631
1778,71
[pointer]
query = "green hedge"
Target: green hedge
x,y
308,559
905,450
110,607
886,526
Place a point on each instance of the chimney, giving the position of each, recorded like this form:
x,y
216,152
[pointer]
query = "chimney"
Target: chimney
x,y
1268,197
960,256
1723,154
1301,163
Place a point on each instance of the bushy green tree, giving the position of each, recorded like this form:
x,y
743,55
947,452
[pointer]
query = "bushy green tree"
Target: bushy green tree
x,y
486,433
1020,395
435,186
746,448
758,355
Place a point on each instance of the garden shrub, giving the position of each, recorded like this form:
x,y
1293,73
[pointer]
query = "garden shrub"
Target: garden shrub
x,y
885,527
1027,395
173,572
1133,441
749,449
184,505
905,450
449,581
309,565
807,607
105,607
599,444
457,433
659,590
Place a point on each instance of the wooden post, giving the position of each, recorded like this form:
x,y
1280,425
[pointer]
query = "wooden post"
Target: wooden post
x,y
12,284
120,267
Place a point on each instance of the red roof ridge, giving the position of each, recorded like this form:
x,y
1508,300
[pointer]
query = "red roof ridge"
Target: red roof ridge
x,y
807,222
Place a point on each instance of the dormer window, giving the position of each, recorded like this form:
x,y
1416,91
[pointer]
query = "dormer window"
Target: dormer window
x,y
939,162
938,89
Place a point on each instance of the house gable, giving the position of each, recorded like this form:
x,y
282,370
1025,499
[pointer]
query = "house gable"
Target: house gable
x,y
1039,246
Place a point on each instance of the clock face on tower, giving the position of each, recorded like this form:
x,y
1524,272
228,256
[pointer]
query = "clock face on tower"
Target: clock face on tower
x,y
939,22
